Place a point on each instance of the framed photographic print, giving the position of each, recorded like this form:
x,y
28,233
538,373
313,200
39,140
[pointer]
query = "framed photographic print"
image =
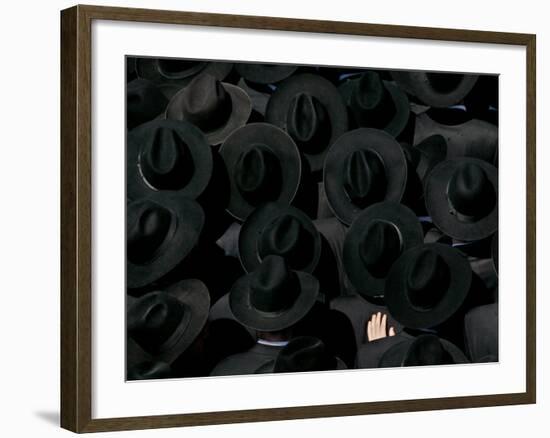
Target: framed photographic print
x,y
324,218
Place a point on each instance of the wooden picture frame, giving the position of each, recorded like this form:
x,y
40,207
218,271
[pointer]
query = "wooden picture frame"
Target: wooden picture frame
x,y
76,217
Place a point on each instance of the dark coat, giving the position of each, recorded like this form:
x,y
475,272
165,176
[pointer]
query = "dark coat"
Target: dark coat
x,y
359,311
248,362
370,353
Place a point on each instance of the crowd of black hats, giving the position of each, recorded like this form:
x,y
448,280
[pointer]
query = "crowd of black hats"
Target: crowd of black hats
x,y
276,213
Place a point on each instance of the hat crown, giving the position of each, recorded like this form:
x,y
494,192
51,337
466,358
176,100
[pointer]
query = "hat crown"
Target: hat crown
x,y
287,237
304,353
153,318
307,122
428,279
166,162
273,286
380,246
257,174
148,227
206,103
365,178
427,350
470,192
370,91
444,82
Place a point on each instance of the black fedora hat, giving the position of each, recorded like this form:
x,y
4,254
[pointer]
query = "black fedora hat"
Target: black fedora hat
x,y
302,354
427,285
472,138
363,167
264,73
424,350
276,228
216,108
375,240
164,323
162,230
311,110
273,297
263,165
462,198
144,102
179,71
426,154
375,103
436,89
167,155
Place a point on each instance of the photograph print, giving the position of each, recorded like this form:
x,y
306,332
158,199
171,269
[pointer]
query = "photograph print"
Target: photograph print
x,y
296,218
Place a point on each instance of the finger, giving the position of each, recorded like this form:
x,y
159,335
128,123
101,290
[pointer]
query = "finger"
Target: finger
x,y
369,330
383,324
392,331
378,318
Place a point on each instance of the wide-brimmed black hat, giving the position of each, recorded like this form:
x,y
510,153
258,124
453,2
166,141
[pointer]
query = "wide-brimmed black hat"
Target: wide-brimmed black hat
x,y
427,284
216,108
363,167
302,354
426,154
436,89
162,230
179,71
424,350
264,73
375,240
164,323
375,103
276,228
473,138
167,155
273,297
462,198
144,102
263,165
311,110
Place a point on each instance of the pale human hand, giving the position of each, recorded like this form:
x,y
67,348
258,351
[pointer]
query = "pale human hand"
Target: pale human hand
x,y
376,327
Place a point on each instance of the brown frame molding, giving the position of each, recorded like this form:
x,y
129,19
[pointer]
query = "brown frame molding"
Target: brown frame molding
x,y
76,345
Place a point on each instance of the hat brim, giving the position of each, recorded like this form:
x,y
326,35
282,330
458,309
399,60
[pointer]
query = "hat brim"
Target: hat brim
x,y
380,142
251,233
400,101
395,355
180,245
147,68
474,138
418,84
410,230
201,155
241,108
265,73
395,291
438,206
280,144
239,301
323,90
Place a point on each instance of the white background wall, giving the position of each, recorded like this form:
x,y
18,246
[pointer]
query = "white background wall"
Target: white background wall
x,y
29,216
